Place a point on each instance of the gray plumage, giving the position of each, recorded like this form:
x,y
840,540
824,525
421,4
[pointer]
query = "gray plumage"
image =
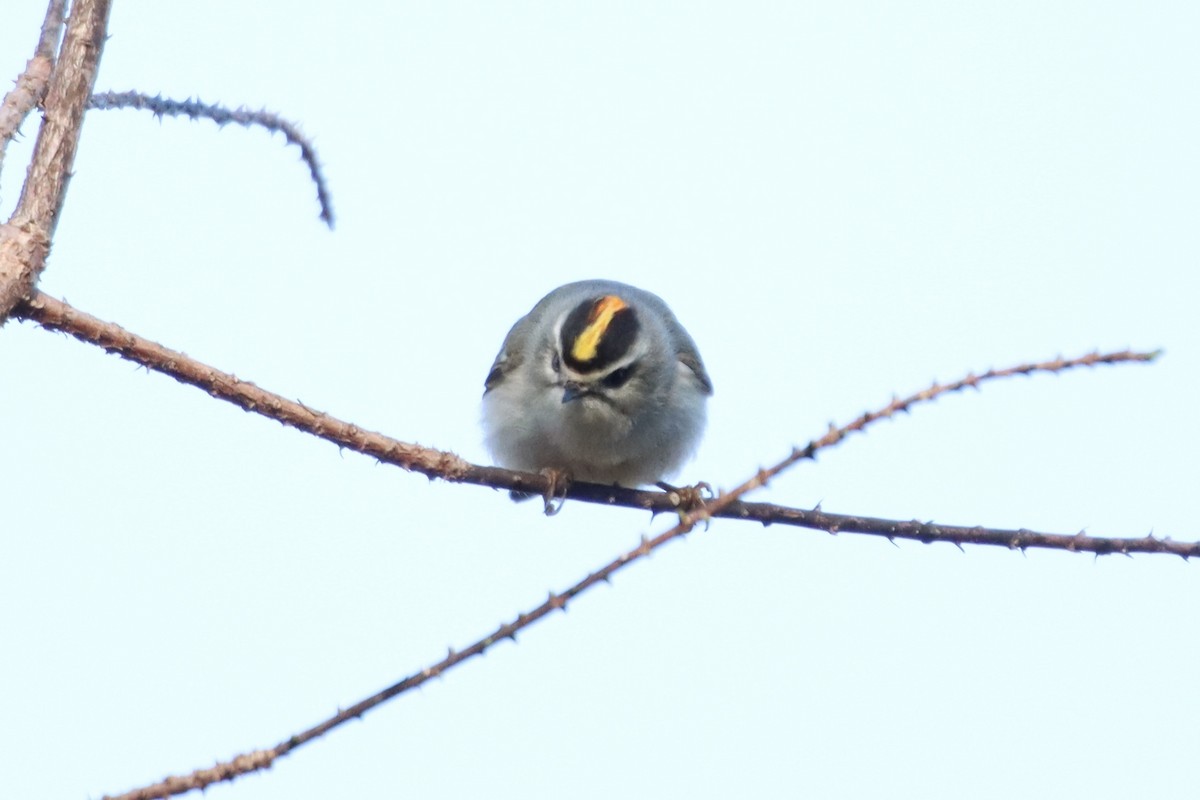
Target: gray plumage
x,y
630,421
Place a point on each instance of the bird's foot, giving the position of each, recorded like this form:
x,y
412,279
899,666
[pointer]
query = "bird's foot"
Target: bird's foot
x,y
555,496
688,498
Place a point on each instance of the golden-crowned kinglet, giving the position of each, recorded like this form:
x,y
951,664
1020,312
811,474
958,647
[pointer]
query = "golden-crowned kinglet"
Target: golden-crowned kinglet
x,y
600,382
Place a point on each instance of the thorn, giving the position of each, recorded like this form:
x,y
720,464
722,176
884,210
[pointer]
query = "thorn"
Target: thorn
x,y
959,546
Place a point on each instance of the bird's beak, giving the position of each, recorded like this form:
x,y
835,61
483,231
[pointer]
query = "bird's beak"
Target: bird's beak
x,y
572,391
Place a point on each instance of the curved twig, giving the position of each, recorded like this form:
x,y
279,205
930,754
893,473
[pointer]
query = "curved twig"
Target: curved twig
x,y
198,109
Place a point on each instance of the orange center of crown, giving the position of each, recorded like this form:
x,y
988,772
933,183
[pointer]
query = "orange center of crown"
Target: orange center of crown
x,y
587,342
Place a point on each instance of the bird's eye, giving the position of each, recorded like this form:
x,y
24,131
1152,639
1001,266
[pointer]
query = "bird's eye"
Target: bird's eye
x,y
555,362
617,378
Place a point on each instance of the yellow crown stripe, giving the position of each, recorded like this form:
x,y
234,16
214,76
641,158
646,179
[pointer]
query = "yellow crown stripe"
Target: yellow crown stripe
x,y
588,342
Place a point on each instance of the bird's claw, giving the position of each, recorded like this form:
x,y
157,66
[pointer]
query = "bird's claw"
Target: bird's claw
x,y
556,492
688,498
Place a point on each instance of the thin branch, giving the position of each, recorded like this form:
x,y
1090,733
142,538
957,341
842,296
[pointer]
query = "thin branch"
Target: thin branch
x,y
58,315
25,238
52,27
198,109
930,532
31,85
262,759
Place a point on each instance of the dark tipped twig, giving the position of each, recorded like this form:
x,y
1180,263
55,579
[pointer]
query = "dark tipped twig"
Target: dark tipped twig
x,y
31,85
25,238
57,315
197,109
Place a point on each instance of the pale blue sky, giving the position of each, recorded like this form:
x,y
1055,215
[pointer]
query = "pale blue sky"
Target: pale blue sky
x,y
840,201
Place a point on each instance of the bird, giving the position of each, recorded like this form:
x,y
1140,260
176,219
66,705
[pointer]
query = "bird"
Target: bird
x,y
599,382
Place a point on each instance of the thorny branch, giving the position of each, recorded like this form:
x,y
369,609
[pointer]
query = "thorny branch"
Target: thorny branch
x,y
31,85
25,238
721,506
58,315
262,759
65,91
198,109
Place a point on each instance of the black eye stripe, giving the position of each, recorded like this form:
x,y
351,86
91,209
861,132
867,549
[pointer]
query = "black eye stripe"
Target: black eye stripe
x,y
618,377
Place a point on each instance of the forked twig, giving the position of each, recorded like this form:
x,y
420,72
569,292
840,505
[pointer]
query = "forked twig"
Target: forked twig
x,y
25,238
30,87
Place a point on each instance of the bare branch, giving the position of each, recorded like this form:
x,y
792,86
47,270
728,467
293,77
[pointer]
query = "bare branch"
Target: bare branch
x,y
929,532
25,238
58,315
197,109
31,85
51,28
262,759
721,506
